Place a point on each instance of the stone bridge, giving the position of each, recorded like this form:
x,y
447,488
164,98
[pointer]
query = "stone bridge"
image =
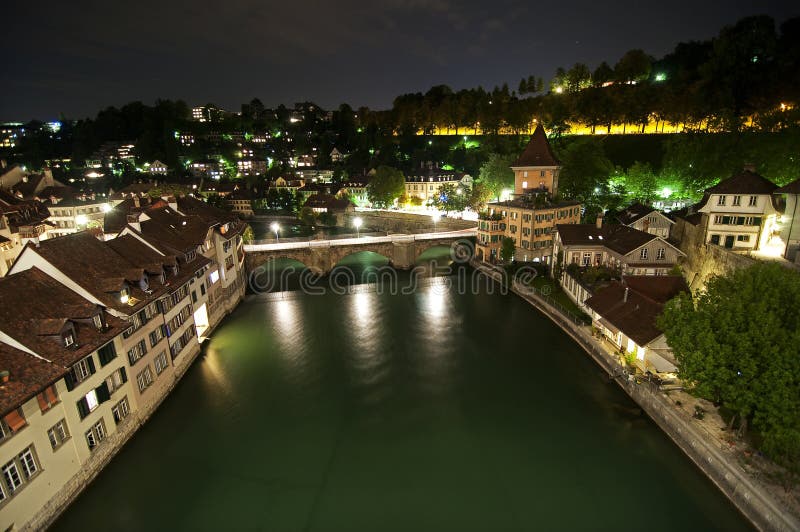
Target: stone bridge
x,y
321,256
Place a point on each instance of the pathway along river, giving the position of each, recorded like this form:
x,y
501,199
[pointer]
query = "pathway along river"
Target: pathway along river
x,y
429,412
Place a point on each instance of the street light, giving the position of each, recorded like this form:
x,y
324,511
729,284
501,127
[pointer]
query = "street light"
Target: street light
x,y
357,223
436,216
275,228
81,219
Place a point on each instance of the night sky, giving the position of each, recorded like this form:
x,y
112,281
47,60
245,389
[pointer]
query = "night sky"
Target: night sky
x,y
75,57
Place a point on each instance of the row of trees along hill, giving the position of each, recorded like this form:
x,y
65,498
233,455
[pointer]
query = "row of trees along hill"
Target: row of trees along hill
x,y
737,345
745,72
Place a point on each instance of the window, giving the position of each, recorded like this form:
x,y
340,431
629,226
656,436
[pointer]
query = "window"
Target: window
x,y
98,321
737,200
643,253
541,174
137,352
115,381
160,362
80,372
157,335
587,258
721,200
661,254
107,353
28,462
96,434
69,339
144,379
58,434
524,184
753,201
11,476
121,410
48,398
743,238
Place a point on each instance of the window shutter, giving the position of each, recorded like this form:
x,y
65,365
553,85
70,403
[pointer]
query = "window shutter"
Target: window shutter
x,y
83,408
69,379
102,392
90,362
123,374
43,405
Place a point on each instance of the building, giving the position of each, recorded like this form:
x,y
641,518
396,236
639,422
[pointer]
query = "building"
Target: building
x,y
76,213
740,212
251,166
329,204
241,202
207,113
355,188
645,219
336,155
426,182
207,168
21,221
790,223
287,183
529,219
156,168
625,313
67,393
619,249
99,335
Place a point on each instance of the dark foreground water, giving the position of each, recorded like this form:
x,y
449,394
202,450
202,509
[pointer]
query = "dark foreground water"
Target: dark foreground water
x,y
369,412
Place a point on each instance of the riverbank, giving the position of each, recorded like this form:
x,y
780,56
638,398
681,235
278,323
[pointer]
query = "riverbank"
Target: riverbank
x,y
752,499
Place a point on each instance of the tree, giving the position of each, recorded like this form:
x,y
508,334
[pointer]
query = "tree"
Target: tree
x,y
496,174
634,66
452,198
507,249
387,185
584,167
602,74
737,345
640,182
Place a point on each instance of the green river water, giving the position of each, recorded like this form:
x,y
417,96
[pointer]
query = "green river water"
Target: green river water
x,y
432,411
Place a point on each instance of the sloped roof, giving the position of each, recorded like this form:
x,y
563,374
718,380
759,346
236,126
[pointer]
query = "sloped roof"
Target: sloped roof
x,y
537,152
791,188
745,182
28,376
636,315
620,238
635,212
48,307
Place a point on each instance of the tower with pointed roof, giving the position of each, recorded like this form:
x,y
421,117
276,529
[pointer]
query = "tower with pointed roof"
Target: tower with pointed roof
x,y
536,169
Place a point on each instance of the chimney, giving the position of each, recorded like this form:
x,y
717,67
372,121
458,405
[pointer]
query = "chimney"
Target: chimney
x,y
625,297
599,221
750,167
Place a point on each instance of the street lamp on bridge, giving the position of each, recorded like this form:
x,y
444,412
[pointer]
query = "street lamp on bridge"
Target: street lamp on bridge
x,y
357,223
275,228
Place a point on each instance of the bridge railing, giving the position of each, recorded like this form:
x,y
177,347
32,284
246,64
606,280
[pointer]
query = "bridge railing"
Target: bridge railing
x,y
349,240
314,238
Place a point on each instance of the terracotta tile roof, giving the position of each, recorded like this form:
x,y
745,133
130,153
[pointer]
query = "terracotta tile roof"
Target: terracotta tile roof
x,y
94,266
746,182
28,375
791,188
619,238
537,152
50,309
636,315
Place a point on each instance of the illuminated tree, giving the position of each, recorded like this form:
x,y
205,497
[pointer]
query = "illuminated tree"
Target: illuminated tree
x,y
737,345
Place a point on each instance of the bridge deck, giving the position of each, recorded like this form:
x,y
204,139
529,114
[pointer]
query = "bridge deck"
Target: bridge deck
x,y
364,240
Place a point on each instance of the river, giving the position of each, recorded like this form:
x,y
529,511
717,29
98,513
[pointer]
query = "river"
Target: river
x,y
377,411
